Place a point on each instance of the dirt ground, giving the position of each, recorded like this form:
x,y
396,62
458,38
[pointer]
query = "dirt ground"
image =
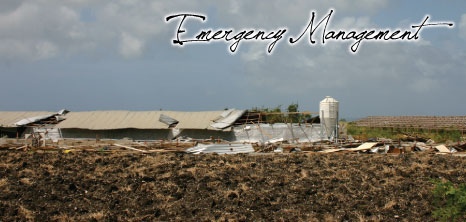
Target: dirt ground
x,y
91,186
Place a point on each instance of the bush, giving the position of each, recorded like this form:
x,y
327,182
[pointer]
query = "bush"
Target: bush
x,y
450,201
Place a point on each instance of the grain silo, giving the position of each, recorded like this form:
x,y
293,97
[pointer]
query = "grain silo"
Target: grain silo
x,y
328,110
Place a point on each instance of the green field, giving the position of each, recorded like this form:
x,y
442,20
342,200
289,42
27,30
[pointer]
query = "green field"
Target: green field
x,y
440,135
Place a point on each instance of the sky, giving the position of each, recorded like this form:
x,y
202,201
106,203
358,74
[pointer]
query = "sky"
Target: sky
x,y
118,55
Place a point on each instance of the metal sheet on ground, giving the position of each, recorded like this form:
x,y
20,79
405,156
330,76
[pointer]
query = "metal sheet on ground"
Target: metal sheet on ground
x,y
443,149
364,146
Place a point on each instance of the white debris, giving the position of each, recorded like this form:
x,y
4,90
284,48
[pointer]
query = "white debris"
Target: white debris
x,y
442,149
221,148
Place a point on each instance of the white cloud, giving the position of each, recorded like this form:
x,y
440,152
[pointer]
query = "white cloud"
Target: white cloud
x,y
353,23
44,29
46,50
462,27
270,14
130,46
27,24
235,7
255,52
410,67
34,30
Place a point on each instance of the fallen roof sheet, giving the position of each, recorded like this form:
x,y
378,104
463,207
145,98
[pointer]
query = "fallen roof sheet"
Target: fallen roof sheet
x,y
34,119
167,120
442,149
227,118
364,146
11,119
108,120
221,148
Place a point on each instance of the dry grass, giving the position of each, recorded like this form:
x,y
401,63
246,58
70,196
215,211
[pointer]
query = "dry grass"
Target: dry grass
x,y
389,205
62,217
8,165
3,183
28,215
26,181
98,216
47,167
329,218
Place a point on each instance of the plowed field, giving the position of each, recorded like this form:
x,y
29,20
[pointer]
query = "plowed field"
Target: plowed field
x,y
91,186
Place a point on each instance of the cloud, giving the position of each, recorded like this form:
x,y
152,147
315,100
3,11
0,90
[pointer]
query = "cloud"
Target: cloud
x,y
462,27
34,31
46,50
38,30
279,11
9,5
130,46
130,27
424,85
405,66
377,78
255,52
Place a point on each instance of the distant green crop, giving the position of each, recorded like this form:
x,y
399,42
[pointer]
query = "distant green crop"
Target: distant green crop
x,y
441,135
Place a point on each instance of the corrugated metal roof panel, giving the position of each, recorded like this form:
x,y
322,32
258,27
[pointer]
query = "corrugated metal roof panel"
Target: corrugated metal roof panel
x,y
105,120
227,118
9,118
195,120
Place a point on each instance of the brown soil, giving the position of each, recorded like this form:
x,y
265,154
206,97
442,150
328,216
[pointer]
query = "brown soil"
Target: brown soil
x,y
90,186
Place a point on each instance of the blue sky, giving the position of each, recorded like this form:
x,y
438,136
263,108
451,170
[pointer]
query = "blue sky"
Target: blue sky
x,y
114,55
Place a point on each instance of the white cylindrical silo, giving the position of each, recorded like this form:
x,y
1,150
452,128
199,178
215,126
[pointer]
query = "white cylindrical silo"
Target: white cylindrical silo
x,y
328,112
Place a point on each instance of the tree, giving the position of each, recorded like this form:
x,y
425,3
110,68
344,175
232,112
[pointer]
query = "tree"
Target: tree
x,y
294,118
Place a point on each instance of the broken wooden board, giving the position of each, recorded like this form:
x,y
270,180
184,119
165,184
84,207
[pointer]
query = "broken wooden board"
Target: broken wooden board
x,y
330,150
130,148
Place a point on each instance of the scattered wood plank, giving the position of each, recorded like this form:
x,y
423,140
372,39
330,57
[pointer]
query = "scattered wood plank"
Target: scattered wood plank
x,y
21,147
130,148
330,150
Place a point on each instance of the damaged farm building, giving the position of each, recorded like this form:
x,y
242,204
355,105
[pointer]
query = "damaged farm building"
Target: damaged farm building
x,y
227,125
19,124
226,164
228,131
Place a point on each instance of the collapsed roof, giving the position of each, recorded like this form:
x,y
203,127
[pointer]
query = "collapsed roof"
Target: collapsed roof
x,y
15,119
